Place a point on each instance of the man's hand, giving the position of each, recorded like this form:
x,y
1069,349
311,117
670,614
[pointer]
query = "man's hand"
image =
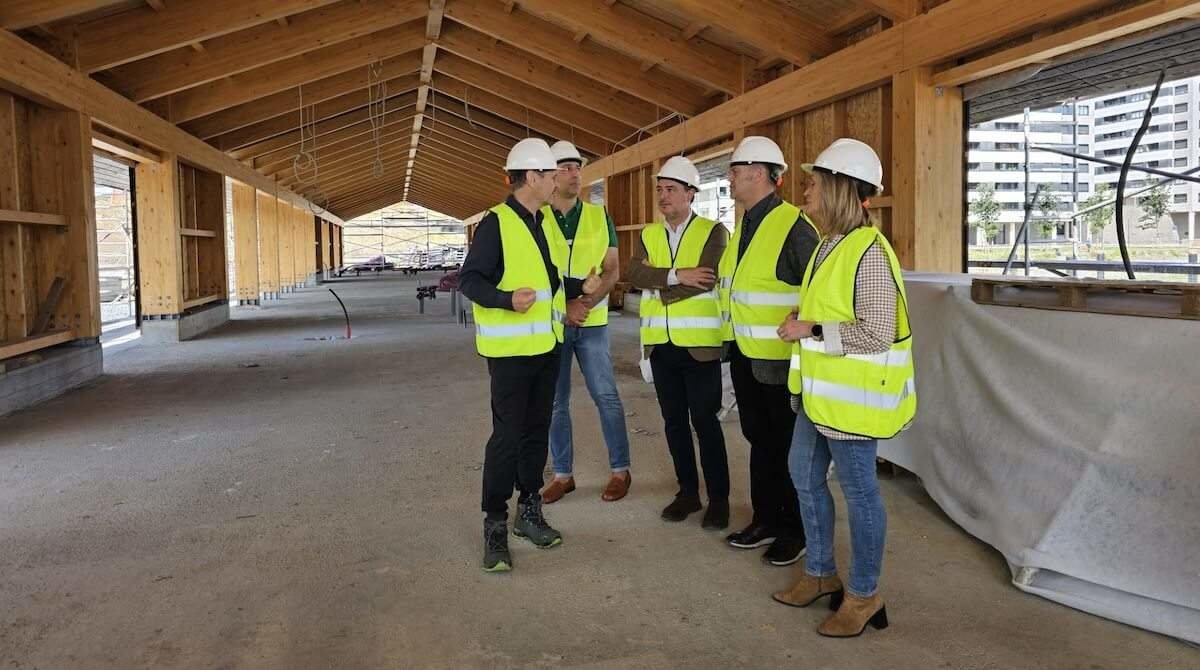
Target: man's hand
x,y
592,283
701,278
577,311
793,330
523,299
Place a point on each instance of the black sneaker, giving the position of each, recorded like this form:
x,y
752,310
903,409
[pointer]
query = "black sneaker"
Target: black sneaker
x,y
751,537
531,524
495,546
681,507
716,517
785,551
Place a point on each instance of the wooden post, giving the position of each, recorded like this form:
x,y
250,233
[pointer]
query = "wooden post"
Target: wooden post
x,y
268,245
160,250
287,255
323,247
927,173
245,240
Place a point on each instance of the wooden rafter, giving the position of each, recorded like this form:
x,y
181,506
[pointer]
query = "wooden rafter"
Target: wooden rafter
x,y
257,46
893,10
19,14
762,22
138,33
645,37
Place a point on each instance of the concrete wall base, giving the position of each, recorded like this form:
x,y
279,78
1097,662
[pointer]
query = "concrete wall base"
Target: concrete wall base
x,y
183,327
29,380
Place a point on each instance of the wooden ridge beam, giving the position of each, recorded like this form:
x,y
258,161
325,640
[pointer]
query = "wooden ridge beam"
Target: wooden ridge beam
x,y
138,33
322,111
532,98
762,23
952,29
32,73
539,119
626,29
609,67
313,92
260,45
545,75
263,81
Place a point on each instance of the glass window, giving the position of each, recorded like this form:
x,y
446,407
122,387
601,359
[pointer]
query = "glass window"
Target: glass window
x,y
1181,107
1085,130
1181,125
1084,110
1180,198
1180,162
1181,89
1181,144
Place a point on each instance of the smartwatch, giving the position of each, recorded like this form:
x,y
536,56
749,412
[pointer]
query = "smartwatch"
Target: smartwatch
x,y
817,331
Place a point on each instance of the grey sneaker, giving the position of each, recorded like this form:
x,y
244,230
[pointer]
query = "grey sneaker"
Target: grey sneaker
x,y
531,524
495,546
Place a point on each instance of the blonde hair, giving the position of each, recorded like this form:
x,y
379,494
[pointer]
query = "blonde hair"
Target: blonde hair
x,y
841,209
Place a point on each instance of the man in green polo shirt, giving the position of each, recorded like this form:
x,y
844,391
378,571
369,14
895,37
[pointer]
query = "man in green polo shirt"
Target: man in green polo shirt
x,y
588,243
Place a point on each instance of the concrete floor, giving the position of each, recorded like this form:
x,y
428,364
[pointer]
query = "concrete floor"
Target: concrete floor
x,y
260,499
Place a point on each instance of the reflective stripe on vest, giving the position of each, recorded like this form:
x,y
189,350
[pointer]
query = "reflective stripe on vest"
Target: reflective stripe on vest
x,y
575,258
753,300
692,322
872,395
502,333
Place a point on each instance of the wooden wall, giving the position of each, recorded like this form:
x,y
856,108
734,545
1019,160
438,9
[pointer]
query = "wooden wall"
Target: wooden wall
x,y
268,243
48,276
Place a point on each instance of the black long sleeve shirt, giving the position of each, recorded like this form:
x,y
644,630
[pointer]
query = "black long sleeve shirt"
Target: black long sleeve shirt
x,y
801,244
483,267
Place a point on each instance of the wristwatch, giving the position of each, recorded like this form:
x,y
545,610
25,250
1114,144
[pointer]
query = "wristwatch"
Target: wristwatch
x,y
817,331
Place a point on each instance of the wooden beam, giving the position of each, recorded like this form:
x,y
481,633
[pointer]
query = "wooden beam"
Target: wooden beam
x,y
399,95
1096,31
594,61
245,243
954,28
328,154
540,73
268,243
289,73
927,173
336,129
260,45
138,33
626,29
160,248
21,14
35,74
31,218
433,25
759,22
119,147
893,10
853,21
31,344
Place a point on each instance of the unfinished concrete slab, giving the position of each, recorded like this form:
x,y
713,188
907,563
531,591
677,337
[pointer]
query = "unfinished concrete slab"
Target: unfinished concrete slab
x,y
40,376
187,326
270,496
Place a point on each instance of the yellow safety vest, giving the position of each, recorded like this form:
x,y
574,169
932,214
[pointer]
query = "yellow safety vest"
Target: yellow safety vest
x,y
869,395
753,300
585,252
503,333
692,322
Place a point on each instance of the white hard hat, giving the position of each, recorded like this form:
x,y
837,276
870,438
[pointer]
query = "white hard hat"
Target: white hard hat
x,y
531,154
851,158
758,149
681,170
565,151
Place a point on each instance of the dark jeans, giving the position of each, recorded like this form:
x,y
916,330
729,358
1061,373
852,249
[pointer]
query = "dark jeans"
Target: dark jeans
x,y
767,421
522,399
686,387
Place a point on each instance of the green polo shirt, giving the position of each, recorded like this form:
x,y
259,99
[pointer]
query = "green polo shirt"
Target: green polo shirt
x,y
569,222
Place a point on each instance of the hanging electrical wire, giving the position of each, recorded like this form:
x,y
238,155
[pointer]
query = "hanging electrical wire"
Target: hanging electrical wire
x,y
377,112
304,165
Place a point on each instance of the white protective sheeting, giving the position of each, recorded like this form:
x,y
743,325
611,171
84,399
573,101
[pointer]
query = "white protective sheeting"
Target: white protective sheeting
x,y
1070,442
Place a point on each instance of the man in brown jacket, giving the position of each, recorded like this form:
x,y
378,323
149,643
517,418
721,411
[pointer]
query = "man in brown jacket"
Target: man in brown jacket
x,y
675,266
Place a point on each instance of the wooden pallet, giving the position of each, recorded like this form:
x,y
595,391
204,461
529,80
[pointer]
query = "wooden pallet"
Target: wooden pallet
x,y
1164,300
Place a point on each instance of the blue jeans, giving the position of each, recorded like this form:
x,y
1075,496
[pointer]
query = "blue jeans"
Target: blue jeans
x,y
590,346
808,462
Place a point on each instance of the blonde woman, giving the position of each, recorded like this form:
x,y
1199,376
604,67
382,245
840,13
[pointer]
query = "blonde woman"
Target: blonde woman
x,y
853,373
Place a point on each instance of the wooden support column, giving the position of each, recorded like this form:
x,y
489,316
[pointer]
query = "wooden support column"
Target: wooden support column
x,y
287,257
323,247
160,246
927,173
245,241
299,247
268,245
339,248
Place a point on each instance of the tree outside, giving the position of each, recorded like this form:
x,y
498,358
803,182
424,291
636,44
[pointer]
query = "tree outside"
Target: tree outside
x,y
986,212
1154,205
1098,219
1047,205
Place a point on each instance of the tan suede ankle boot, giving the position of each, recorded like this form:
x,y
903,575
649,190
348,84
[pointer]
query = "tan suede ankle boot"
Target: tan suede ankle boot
x,y
808,589
852,617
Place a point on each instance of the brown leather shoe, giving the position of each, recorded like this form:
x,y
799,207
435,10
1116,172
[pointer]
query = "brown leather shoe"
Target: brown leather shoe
x,y
618,486
852,617
808,589
557,489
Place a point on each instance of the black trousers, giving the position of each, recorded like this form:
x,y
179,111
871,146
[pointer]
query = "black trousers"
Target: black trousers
x,y
767,421
522,400
687,387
